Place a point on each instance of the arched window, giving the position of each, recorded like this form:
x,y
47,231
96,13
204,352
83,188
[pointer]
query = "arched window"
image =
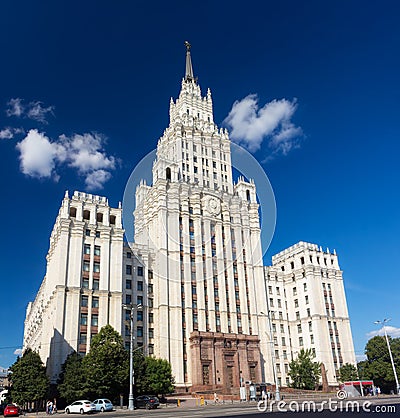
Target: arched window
x,y
168,173
248,195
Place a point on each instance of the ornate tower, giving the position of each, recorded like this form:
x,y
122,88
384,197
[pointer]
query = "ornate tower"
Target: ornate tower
x,y
204,233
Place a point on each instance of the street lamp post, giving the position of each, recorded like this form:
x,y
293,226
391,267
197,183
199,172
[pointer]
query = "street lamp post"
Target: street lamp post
x,y
390,352
277,392
131,308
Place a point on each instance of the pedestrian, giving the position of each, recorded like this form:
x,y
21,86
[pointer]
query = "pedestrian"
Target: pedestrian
x,y
378,391
263,395
48,407
215,398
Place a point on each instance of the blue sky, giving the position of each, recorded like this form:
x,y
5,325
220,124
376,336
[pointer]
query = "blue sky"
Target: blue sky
x,y
85,89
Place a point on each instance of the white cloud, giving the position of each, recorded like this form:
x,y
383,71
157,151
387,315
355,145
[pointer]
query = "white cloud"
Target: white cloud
x,y
392,331
15,107
40,157
33,110
96,179
360,357
9,133
250,125
6,133
37,155
86,153
37,112
18,352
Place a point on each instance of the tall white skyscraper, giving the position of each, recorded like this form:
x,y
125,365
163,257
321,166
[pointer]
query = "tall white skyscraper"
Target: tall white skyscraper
x,y
202,298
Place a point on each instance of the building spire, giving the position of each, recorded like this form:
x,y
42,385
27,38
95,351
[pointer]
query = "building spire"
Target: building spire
x,y
189,69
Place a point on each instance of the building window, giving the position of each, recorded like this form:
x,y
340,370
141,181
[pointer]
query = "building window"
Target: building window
x,y
86,266
151,332
301,341
252,373
96,267
305,287
150,288
87,232
128,254
83,338
140,300
151,349
140,286
294,291
96,284
307,301
151,318
85,283
312,339
308,312
86,249
128,284
139,315
140,271
95,302
97,234
95,320
150,301
128,299
97,250
128,269
84,301
206,374
83,320
296,303
297,315
283,341
299,328
140,331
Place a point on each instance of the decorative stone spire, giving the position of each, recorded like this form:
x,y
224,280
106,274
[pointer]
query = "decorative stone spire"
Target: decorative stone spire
x,y
189,69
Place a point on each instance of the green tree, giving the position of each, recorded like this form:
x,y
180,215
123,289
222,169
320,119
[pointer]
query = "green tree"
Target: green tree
x,y
106,366
348,372
304,372
159,379
139,366
378,366
71,383
28,378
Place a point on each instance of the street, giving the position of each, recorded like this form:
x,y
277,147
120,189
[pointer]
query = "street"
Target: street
x,y
363,407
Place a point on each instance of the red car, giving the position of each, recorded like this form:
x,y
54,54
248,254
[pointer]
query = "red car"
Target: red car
x,y
12,411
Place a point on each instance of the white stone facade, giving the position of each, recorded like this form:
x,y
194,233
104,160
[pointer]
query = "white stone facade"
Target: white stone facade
x,y
306,296
82,289
195,270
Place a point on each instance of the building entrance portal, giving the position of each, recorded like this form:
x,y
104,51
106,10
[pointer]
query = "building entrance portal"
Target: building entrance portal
x,y
221,361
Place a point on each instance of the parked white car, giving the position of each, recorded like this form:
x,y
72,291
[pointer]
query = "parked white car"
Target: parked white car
x,y
80,407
